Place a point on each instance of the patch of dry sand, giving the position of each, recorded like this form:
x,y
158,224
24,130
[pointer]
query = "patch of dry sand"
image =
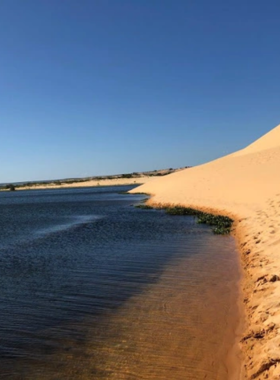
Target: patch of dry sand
x,y
246,186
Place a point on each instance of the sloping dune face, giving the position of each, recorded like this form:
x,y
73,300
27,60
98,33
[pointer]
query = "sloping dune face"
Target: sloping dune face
x,y
245,185
268,141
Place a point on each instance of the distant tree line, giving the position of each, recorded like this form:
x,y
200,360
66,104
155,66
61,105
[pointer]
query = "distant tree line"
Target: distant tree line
x,y
9,187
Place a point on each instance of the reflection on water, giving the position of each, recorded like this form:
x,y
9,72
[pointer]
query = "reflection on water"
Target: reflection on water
x,y
66,225
96,289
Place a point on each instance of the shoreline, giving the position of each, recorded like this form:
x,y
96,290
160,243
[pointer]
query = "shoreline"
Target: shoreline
x,y
245,186
171,299
241,234
90,183
234,357
233,361
135,178
251,332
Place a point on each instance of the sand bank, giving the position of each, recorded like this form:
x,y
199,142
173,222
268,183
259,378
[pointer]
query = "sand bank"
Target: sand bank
x,y
91,183
246,186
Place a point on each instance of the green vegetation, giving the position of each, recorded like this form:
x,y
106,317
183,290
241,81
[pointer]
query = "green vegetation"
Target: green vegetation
x,y
140,193
222,224
178,210
10,187
144,207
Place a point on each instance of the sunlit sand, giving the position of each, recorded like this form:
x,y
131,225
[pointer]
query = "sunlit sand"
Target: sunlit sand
x,y
246,186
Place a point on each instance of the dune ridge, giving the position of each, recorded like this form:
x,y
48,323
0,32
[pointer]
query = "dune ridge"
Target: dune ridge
x,y
246,186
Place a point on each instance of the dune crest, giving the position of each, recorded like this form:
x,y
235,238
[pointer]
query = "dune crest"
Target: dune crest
x,y
246,186
270,140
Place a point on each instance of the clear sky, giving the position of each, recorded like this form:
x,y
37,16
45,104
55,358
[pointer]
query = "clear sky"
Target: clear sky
x,y
92,87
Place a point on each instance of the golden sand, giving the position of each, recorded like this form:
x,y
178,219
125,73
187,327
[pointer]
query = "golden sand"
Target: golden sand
x,y
246,186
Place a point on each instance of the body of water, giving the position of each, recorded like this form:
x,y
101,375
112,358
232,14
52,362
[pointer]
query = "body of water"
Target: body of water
x,y
94,288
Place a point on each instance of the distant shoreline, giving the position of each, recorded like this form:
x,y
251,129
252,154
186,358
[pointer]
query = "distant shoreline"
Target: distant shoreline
x,y
90,183
112,180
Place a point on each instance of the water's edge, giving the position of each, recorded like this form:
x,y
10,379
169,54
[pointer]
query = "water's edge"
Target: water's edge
x,y
234,358
154,300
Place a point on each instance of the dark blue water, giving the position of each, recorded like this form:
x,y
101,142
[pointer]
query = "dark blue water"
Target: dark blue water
x,y
71,261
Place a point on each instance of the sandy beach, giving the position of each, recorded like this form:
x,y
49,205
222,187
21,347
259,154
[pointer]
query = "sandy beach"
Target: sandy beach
x,y
138,178
91,183
244,185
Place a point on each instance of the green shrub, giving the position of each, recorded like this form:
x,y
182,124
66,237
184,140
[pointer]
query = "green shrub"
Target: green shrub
x,y
10,187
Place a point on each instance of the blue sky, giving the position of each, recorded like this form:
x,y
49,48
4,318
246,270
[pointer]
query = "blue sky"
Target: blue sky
x,y
91,87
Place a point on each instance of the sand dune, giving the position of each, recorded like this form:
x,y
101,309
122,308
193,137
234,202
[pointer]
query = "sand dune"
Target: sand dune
x,y
245,185
267,141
